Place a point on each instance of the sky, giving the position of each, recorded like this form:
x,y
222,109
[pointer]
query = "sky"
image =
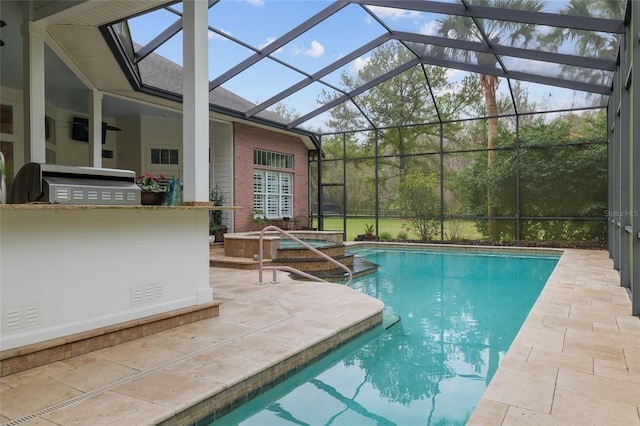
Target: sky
x,y
263,21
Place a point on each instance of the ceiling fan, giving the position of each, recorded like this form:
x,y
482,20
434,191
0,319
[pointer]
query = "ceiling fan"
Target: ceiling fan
x,y
114,128
84,122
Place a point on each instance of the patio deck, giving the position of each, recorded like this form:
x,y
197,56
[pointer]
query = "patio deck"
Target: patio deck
x,y
576,360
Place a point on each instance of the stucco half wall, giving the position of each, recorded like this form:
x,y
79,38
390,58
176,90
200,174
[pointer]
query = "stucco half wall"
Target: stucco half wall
x,y
66,270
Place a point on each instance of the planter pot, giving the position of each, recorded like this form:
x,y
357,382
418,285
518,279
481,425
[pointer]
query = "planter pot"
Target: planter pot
x,y
219,234
148,198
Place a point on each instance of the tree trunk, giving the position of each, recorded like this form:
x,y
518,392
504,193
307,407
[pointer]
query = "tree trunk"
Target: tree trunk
x,y
489,84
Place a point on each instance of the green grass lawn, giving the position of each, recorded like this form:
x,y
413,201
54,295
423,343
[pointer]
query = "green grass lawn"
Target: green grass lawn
x,y
460,229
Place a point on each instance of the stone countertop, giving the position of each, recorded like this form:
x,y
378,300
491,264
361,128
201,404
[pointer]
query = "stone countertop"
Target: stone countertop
x,y
53,206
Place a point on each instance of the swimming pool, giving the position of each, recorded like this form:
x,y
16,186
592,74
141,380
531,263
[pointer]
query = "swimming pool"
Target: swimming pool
x,y
459,313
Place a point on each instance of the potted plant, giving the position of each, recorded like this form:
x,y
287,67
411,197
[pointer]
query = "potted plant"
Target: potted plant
x,y
368,231
216,228
259,219
152,192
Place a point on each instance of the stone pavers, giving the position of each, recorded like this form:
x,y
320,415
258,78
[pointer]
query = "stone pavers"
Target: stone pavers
x,y
576,360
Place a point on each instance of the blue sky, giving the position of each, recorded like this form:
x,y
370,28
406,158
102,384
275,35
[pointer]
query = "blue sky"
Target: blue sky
x,y
259,22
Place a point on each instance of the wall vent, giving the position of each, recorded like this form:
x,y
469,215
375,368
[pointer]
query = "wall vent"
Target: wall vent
x,y
147,294
21,317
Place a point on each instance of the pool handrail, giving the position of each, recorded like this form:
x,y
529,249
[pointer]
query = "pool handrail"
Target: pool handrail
x,y
285,268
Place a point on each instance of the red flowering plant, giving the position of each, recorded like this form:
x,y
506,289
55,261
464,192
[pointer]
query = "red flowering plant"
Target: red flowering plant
x,y
151,183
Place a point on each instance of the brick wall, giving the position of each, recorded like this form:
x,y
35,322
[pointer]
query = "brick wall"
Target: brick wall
x,y
246,139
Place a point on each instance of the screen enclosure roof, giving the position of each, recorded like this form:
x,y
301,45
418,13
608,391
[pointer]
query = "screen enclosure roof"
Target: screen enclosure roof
x,y
289,63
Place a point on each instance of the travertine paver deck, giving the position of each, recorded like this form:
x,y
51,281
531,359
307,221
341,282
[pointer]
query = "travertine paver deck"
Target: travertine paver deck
x,y
147,381
576,360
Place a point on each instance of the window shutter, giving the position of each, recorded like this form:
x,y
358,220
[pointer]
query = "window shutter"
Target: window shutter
x,y
272,183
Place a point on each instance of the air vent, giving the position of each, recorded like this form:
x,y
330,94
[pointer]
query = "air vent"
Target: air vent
x,y
62,194
21,317
147,294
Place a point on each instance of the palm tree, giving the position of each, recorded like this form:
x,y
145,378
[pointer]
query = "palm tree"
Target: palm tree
x,y
588,43
490,31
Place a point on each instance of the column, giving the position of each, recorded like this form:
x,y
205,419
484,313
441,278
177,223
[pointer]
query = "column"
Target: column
x,y
33,91
195,107
95,128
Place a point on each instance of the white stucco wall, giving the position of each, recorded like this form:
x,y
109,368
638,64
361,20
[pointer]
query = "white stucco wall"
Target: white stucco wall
x,y
67,271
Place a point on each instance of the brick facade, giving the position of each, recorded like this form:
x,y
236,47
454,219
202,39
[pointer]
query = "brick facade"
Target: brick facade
x,y
246,139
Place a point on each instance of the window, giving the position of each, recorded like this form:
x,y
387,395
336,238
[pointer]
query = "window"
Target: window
x,y
272,159
165,156
272,194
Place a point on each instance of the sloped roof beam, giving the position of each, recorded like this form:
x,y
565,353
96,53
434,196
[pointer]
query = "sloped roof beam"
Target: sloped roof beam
x,y
165,35
318,75
516,52
158,41
504,14
402,68
517,75
277,44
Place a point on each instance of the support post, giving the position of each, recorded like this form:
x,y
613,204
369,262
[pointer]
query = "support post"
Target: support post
x,y
95,128
195,107
33,91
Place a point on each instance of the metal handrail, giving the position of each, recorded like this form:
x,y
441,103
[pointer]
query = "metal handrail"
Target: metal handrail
x,y
275,269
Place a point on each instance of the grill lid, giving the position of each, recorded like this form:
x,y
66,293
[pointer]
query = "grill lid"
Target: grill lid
x,y
74,185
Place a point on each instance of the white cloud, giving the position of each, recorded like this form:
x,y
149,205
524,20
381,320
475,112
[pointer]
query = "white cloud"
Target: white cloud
x,y
359,64
394,14
256,2
430,28
315,50
268,42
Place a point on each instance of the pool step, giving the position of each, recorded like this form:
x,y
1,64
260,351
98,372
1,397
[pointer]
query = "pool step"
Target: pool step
x,y
389,319
315,263
359,268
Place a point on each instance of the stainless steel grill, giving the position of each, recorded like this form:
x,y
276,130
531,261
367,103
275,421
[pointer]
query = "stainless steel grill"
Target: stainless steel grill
x,y
54,183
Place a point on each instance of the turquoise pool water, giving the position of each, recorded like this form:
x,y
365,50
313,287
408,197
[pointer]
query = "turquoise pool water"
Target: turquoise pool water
x,y
459,312
292,244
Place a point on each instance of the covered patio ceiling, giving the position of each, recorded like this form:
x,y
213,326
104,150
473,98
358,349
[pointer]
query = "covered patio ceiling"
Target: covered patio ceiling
x,y
285,63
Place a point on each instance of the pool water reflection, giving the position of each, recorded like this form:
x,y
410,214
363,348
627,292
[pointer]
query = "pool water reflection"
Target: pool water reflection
x,y
459,313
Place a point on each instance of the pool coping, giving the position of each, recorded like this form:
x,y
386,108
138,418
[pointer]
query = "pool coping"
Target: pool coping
x,y
457,247
576,358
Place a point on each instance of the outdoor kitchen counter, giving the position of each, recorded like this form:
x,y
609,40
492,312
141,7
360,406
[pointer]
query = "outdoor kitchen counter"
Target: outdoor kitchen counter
x,y
53,206
92,266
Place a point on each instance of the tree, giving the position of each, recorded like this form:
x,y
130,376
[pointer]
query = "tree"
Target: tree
x,y
519,35
398,108
562,173
419,200
399,104
587,43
